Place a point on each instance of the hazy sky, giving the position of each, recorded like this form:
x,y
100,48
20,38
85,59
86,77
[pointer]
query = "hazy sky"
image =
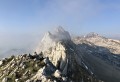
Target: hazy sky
x,y
21,21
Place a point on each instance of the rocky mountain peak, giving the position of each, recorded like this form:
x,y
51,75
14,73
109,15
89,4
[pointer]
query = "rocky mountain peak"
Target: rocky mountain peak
x,y
66,62
47,37
56,60
59,29
50,39
61,34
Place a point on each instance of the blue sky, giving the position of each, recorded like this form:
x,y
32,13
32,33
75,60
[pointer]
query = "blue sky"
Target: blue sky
x,y
79,16
20,19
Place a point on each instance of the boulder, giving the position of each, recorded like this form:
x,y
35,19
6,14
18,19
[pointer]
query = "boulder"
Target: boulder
x,y
57,74
1,62
5,79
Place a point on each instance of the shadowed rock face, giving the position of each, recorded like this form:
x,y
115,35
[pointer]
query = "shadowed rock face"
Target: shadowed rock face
x,y
102,55
61,64
95,39
68,64
58,52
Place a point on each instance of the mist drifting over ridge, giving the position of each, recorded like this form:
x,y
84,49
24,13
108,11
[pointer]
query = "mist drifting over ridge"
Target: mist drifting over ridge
x,y
27,43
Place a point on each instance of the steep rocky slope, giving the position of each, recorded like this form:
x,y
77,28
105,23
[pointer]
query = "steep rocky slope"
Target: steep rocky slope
x,y
19,68
64,56
57,60
101,55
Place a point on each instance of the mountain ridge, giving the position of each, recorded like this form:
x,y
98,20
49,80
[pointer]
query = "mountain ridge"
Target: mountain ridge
x,y
60,58
58,61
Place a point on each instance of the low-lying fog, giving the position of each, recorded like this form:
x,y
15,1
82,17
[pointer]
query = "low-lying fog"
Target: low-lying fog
x,y
18,44
22,43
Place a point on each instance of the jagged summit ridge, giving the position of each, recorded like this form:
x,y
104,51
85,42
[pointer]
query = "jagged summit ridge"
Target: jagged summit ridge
x,y
59,29
58,34
50,39
62,53
56,60
61,34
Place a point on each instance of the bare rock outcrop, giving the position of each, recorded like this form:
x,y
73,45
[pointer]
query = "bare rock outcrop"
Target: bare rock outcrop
x,y
56,60
50,39
63,55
